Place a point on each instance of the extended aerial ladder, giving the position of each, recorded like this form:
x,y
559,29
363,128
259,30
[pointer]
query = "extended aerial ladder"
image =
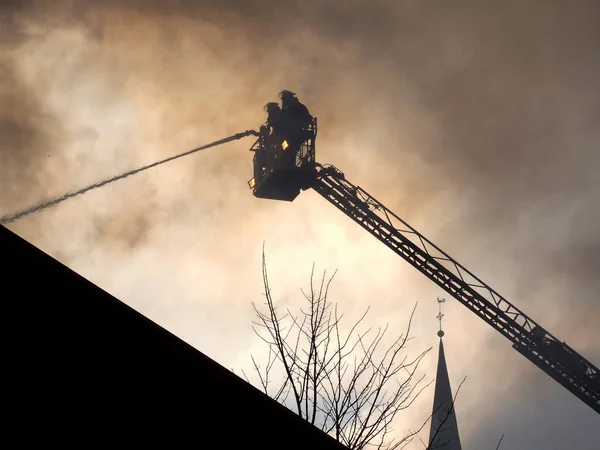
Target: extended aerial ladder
x,y
284,165
282,178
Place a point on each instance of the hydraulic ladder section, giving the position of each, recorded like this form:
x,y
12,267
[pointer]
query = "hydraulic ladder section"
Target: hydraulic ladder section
x,y
555,358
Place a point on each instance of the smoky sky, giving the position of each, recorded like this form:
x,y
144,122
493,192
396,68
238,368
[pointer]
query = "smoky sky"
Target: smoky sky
x,y
477,121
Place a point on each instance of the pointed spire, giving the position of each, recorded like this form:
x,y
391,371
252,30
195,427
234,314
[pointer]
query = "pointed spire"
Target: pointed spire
x,y
444,427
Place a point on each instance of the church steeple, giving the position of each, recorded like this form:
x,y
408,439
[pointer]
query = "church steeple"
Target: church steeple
x,y
444,428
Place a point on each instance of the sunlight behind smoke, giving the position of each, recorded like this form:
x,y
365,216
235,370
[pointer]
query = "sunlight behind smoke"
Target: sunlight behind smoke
x,y
472,123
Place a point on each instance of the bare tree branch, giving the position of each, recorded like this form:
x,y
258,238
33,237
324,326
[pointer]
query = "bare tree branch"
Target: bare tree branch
x,y
499,442
339,377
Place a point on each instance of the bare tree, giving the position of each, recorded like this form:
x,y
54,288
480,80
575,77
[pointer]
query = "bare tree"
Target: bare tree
x,y
341,382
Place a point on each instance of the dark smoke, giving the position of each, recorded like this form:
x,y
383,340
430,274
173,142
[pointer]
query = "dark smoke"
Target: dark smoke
x,y
28,134
476,119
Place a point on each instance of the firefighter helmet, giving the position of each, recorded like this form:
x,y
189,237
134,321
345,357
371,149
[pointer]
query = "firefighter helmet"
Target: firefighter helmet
x,y
271,106
285,94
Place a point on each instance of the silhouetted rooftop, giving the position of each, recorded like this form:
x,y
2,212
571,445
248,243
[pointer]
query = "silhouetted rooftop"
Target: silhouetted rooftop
x,y
81,366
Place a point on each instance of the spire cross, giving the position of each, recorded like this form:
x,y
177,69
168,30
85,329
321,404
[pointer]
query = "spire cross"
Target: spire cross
x,y
439,317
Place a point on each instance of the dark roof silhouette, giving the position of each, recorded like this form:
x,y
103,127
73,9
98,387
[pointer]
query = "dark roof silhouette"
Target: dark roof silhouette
x,y
81,366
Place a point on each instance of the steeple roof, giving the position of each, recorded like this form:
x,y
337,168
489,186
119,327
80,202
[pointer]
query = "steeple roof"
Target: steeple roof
x,y
444,428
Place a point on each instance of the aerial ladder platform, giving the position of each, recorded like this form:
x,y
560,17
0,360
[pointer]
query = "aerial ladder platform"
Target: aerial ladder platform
x,y
282,170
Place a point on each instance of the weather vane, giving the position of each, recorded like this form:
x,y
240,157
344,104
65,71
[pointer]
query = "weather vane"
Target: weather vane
x,y
439,317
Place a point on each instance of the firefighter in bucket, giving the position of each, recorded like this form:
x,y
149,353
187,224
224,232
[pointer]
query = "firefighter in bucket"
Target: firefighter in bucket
x,y
295,119
284,151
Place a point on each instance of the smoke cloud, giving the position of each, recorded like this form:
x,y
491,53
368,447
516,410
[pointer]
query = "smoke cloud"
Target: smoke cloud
x,y
475,121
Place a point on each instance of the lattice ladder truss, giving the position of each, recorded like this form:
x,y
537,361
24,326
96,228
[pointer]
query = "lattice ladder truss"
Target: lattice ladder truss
x,y
555,358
